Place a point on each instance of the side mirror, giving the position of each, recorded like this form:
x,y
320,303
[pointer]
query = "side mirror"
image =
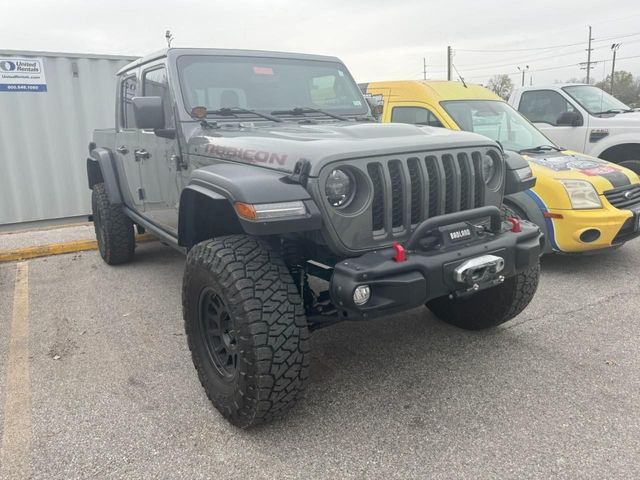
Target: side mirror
x,y
148,112
376,104
570,119
519,176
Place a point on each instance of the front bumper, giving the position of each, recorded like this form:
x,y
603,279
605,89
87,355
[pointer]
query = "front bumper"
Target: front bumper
x,y
584,231
433,255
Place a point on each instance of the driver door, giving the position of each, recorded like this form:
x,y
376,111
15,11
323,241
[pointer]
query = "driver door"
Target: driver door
x,y
544,108
160,163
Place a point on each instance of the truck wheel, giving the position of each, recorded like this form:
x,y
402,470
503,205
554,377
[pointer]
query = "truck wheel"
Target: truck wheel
x,y
114,230
246,328
490,307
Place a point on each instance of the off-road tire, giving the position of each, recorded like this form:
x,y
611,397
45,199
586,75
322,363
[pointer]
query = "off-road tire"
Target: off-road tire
x,y
114,230
489,308
266,315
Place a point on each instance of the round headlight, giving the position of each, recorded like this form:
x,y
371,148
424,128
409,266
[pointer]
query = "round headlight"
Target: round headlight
x,y
489,168
339,188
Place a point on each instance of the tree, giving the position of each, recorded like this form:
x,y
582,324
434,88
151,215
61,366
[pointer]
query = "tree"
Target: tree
x,y
625,87
501,85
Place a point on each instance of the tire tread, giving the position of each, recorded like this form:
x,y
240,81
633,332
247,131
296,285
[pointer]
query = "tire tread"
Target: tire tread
x,y
274,335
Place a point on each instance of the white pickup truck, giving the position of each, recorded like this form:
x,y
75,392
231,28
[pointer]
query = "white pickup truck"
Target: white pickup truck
x,y
583,118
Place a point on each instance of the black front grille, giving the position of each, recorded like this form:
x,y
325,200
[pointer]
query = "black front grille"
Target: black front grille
x,y
416,188
434,185
450,183
415,176
397,192
624,197
465,180
377,206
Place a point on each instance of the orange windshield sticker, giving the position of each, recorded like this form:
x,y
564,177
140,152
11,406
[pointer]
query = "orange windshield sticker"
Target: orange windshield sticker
x,y
263,70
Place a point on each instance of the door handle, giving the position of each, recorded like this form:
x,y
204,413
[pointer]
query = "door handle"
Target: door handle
x,y
141,154
122,150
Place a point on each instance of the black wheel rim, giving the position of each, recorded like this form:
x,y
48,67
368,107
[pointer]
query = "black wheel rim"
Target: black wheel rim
x,y
218,332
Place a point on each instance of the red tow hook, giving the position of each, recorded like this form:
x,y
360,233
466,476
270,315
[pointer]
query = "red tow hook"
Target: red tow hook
x,y
401,253
515,224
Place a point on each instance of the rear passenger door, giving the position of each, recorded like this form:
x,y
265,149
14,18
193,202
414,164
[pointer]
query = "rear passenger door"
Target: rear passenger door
x,y
127,137
160,160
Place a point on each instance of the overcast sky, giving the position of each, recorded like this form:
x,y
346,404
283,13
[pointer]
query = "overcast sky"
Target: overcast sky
x,y
378,40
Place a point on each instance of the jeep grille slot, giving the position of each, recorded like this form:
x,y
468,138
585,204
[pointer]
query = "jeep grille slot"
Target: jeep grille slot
x,y
478,182
416,178
451,186
408,190
397,192
466,185
377,205
624,197
434,185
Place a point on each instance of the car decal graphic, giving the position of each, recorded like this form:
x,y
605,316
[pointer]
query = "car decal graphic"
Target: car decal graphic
x,y
617,179
591,167
548,221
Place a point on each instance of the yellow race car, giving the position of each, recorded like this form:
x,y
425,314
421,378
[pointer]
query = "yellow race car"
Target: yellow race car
x,y
582,204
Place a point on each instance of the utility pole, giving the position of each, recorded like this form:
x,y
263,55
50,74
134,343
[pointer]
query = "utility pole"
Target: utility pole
x,y
424,68
589,49
614,48
449,55
523,70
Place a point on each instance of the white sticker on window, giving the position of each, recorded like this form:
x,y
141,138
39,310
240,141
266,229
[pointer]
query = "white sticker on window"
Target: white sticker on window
x,y
341,73
357,103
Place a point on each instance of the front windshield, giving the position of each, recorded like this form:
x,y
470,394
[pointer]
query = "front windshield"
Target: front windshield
x,y
498,121
595,100
268,84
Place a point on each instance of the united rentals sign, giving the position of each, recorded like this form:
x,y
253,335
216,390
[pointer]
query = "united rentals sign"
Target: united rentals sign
x,y
22,75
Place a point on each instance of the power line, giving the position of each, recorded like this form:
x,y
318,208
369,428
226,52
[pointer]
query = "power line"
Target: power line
x,y
486,66
519,49
559,67
604,39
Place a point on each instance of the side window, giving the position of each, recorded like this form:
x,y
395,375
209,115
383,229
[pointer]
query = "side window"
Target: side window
x,y
155,84
415,115
128,90
544,106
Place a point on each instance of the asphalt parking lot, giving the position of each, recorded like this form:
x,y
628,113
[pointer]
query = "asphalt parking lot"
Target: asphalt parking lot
x,y
112,392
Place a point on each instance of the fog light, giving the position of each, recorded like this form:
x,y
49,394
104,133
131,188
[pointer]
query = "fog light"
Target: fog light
x,y
361,294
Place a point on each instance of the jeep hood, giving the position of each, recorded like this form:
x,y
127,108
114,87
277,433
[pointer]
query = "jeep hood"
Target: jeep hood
x,y
569,165
281,146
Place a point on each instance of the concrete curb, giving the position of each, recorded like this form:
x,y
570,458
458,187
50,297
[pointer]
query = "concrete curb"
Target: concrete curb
x,y
57,249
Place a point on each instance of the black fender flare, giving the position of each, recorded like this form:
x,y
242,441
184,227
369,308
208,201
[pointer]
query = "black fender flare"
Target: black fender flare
x,y
221,185
101,169
525,202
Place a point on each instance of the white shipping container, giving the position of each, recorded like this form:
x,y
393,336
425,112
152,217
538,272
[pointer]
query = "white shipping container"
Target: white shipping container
x,y
44,134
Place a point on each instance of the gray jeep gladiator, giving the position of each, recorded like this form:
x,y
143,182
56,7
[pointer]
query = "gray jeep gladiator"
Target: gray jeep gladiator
x,y
297,210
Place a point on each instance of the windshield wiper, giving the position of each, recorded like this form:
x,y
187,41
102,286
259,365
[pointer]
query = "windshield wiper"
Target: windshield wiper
x,y
615,110
231,111
542,148
303,110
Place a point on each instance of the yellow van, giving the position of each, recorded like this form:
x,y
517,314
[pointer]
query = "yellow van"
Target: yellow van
x,y
582,204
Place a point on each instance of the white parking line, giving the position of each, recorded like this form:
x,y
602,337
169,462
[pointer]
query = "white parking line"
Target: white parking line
x,y
16,431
